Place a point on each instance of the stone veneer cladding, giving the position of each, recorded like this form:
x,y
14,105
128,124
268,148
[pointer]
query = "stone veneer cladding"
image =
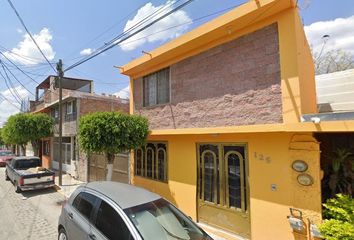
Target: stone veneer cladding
x,y
236,83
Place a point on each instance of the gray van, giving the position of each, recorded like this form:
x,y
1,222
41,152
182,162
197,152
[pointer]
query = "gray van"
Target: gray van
x,y
111,210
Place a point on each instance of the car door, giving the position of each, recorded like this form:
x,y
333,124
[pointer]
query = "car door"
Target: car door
x,y
109,225
79,215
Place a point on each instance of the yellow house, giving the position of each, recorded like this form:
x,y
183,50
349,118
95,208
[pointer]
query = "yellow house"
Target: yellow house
x,y
224,104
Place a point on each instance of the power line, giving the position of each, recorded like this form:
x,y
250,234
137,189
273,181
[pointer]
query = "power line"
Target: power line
x,y
23,24
110,28
18,68
4,65
17,98
35,61
140,22
114,43
182,24
9,101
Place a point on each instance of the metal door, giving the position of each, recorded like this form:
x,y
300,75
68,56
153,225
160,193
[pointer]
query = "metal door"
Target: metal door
x,y
223,199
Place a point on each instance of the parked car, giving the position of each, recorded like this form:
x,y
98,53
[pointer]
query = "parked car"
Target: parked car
x,y
111,210
26,173
5,156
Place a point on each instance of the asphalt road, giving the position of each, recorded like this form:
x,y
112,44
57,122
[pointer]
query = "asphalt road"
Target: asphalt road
x,y
28,215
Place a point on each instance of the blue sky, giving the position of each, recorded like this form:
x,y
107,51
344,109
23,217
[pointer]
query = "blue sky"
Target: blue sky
x,y
65,28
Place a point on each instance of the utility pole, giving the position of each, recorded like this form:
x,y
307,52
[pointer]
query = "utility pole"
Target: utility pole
x,y
59,78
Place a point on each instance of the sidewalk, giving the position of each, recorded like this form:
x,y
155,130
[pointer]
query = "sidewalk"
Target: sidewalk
x,y
69,184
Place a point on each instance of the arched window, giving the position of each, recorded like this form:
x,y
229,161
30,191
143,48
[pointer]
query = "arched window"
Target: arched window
x,y
209,175
161,162
151,161
234,170
150,158
139,162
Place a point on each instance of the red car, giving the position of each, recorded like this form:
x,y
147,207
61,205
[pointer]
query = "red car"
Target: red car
x,y
5,156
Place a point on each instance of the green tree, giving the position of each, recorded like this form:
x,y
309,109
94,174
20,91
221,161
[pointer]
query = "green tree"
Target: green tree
x,y
41,126
111,133
1,140
339,214
24,127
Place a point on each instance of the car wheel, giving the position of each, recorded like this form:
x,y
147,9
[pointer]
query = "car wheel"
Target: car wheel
x,y
6,177
17,188
62,234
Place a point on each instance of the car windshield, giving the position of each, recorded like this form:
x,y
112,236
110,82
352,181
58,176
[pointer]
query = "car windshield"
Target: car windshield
x,y
5,153
161,220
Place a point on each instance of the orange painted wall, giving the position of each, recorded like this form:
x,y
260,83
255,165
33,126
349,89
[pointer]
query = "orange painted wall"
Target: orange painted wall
x,y
268,209
46,162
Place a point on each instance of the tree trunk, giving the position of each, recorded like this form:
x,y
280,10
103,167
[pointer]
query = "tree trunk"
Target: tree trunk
x,y
35,146
110,160
23,148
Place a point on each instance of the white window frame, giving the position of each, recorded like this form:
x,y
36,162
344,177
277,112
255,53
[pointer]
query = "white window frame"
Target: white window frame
x,y
56,112
71,103
153,77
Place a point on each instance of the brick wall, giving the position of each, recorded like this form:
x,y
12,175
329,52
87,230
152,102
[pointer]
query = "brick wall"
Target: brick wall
x,y
236,83
102,105
90,105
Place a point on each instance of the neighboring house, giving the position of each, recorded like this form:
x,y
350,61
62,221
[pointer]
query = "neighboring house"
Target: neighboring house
x,y
78,100
335,91
225,104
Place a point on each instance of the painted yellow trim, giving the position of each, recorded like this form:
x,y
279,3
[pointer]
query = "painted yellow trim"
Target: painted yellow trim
x,y
224,28
330,126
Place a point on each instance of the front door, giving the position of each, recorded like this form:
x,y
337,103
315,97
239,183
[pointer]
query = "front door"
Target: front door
x,y
223,199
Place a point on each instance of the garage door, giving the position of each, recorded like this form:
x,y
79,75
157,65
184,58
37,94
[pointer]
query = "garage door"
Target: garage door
x,y
98,168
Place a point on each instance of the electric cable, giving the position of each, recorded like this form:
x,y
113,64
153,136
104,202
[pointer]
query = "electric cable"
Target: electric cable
x,y
108,29
29,33
9,88
12,86
18,68
4,65
9,101
127,37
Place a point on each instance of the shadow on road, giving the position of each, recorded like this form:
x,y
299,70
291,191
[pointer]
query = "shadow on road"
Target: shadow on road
x,y
33,193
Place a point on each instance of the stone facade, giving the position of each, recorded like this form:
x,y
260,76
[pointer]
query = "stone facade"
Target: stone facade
x,y
236,83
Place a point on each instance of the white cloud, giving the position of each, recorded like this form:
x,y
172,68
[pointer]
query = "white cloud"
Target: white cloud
x,y
123,93
19,30
26,51
176,18
8,109
340,30
86,51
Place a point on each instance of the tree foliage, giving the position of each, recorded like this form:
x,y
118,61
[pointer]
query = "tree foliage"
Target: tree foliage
x,y
339,224
333,61
112,132
1,140
24,127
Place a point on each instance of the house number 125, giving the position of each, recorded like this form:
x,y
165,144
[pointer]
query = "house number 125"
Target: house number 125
x,y
262,157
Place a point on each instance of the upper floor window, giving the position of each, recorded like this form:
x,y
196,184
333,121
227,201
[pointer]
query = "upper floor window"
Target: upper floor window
x,y
69,108
157,88
46,148
56,112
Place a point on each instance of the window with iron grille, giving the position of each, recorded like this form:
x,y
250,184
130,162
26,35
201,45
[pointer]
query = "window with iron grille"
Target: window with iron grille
x,y
157,88
46,148
151,161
